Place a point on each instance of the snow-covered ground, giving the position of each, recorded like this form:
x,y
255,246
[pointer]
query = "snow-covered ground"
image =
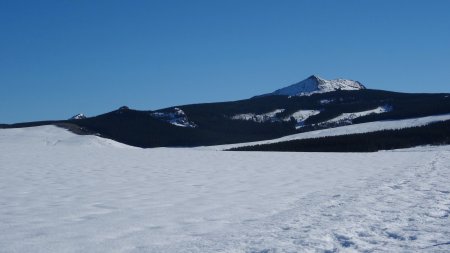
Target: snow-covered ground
x,y
343,130
65,193
299,116
349,117
265,117
176,117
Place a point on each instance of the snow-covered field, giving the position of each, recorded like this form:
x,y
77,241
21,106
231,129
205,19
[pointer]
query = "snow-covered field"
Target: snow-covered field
x,y
65,193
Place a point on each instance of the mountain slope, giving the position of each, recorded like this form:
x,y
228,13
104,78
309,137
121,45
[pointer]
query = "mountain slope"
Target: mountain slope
x,y
315,84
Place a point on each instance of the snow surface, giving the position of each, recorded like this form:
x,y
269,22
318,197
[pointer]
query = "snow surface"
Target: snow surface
x,y
65,193
315,84
51,136
349,117
176,117
343,130
301,116
265,117
326,101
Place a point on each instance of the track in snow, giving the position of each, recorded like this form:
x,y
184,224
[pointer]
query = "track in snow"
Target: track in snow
x,y
405,212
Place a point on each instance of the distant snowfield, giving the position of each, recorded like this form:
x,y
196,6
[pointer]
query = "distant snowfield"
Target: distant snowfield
x,y
353,115
65,193
265,117
343,130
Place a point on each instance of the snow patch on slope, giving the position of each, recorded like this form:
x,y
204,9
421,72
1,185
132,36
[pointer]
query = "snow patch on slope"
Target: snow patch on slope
x,y
265,117
326,101
176,117
349,117
301,116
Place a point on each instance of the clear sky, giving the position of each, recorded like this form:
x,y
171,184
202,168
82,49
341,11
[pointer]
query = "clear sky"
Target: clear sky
x,y
59,58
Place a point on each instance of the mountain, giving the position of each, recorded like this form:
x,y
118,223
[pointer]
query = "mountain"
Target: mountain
x,y
328,104
315,84
78,116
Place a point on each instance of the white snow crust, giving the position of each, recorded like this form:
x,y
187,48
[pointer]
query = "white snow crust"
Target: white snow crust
x,y
326,101
176,117
65,193
264,117
349,117
301,116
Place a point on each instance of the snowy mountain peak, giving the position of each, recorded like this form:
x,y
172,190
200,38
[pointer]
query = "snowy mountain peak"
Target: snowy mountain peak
x,y
315,77
79,116
316,84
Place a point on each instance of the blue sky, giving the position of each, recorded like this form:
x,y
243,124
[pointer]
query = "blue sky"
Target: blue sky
x,y
59,58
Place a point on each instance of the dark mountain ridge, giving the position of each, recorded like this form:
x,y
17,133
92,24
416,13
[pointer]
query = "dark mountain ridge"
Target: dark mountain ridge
x,y
258,118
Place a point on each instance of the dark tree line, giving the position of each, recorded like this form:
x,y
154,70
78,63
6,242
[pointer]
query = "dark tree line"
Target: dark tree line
x,y
433,134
